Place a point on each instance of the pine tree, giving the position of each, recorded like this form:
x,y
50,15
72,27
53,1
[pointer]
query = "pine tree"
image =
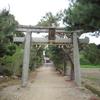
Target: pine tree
x,y
7,26
83,14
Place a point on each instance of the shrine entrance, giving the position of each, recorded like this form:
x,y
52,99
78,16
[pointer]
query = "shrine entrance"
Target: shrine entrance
x,y
52,31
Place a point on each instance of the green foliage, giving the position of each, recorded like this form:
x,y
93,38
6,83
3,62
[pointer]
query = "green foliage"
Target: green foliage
x,y
7,23
10,53
84,61
7,26
11,49
57,56
91,55
7,49
50,19
83,14
36,56
12,63
19,34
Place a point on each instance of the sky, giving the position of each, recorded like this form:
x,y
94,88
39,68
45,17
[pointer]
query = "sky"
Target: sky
x,y
29,12
92,39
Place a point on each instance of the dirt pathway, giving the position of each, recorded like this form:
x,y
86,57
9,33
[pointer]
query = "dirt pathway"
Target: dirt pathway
x,y
47,85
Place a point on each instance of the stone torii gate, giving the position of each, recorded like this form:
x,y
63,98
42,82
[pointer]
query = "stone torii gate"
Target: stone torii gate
x,y
51,39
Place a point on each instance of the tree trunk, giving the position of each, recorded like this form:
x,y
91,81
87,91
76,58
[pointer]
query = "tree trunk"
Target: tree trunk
x,y
72,73
72,64
65,66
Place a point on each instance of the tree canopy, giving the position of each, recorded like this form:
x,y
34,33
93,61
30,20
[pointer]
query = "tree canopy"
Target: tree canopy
x,y
50,20
83,14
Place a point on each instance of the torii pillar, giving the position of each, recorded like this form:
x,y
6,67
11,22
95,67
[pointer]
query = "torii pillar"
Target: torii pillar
x,y
76,60
26,59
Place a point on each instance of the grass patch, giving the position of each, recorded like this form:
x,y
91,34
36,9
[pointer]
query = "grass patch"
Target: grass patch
x,y
90,78
90,66
11,82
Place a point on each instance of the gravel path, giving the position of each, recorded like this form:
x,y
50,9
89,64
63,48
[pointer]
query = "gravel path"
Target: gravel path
x,y
47,85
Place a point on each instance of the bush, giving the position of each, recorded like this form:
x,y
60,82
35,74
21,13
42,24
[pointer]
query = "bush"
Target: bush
x,y
12,63
84,61
5,72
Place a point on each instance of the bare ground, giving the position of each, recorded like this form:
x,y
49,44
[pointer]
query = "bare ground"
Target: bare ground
x,y
93,72
48,84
